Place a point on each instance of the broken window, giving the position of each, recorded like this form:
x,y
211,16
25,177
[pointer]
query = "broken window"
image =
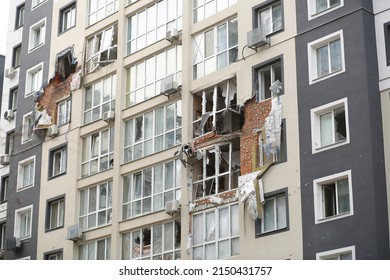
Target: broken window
x,y
272,149
98,152
99,98
153,131
66,64
216,233
217,170
149,190
266,77
158,242
215,109
101,49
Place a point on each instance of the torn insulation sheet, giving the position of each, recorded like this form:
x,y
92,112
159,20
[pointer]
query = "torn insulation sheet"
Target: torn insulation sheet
x,y
273,128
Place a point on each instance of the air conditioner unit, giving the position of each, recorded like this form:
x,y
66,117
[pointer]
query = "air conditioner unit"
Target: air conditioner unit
x,y
9,114
74,233
52,130
256,38
108,116
5,159
9,73
13,243
169,86
172,207
172,34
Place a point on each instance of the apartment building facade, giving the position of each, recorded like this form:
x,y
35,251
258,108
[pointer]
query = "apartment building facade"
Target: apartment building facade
x,y
169,130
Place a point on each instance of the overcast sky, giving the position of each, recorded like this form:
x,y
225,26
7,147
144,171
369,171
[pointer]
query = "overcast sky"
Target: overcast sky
x,y
4,12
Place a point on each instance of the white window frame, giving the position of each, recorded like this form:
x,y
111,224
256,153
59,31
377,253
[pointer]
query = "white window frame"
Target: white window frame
x,y
154,138
101,212
261,83
274,198
312,48
163,244
143,80
64,109
270,28
315,114
37,39
211,7
60,161
97,13
99,98
312,10
149,199
94,158
204,63
165,15
27,129
60,214
89,251
337,252
107,41
68,17
36,3
34,79
318,196
55,256
21,172
205,234
18,222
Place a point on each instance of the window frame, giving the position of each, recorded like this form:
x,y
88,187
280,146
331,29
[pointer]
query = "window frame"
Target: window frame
x,y
154,30
90,160
312,10
84,251
104,8
154,250
10,142
100,88
60,201
3,241
4,188
318,184
35,35
139,78
27,129
21,173
312,48
201,241
19,220
337,252
259,223
86,213
316,113
386,27
64,118
13,98
63,165
212,5
256,17
36,3
134,144
57,254
163,192
202,61
62,27
16,56
31,79
19,18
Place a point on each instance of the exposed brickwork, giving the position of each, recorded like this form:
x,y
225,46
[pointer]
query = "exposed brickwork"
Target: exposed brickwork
x,y
255,115
53,92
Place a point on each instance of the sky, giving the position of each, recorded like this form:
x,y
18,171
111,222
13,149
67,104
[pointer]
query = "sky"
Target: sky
x,y
4,12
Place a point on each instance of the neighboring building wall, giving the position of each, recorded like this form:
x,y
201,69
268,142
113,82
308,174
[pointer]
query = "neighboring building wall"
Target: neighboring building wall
x,y
30,57
360,153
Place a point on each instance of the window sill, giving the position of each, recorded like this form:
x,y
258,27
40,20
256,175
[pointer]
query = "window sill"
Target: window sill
x,y
327,10
53,229
271,232
327,76
330,146
23,189
335,217
35,48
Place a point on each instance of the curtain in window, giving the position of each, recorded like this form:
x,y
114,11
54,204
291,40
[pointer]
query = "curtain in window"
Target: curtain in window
x,y
322,61
276,17
269,215
326,129
335,56
265,21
